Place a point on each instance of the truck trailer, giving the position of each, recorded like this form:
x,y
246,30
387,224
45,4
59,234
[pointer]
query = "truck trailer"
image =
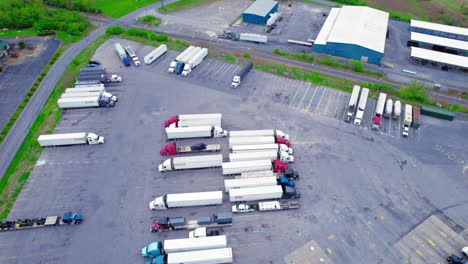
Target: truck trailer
x,y
155,54
88,89
253,38
238,167
262,155
388,108
89,85
397,110
122,55
416,118
132,55
353,101
248,183
379,109
265,206
408,120
68,218
159,248
258,133
86,94
172,149
263,193
241,74
192,162
261,147
100,78
179,68
209,256
68,139
186,200
195,132
83,102
179,57
236,141
205,232
194,120
361,107
195,61
179,223
288,173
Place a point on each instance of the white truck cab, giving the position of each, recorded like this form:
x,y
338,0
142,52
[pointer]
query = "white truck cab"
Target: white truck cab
x,y
157,204
94,139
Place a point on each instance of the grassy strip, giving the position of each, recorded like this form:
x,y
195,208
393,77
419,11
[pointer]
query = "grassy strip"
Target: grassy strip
x,y
119,8
146,37
295,56
150,20
59,35
22,164
352,65
183,5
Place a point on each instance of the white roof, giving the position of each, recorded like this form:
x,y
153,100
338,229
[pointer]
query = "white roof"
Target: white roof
x,y
442,57
439,27
327,27
359,25
440,41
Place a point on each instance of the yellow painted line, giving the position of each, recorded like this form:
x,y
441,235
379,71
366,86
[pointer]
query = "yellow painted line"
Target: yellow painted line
x,y
416,239
331,237
311,99
418,252
399,126
442,233
338,104
321,98
302,100
329,100
329,251
431,242
294,98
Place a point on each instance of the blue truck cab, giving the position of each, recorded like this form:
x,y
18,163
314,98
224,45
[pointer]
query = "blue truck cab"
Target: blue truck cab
x,y
157,260
283,181
152,250
126,61
179,67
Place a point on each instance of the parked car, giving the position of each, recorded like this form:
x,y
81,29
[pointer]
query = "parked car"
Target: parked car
x,y
454,259
92,66
95,62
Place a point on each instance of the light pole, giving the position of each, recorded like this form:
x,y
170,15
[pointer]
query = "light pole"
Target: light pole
x,y
162,4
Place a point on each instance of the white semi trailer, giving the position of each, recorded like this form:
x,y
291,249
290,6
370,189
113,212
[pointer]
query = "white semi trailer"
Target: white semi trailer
x,y
379,110
192,162
258,133
179,57
352,104
192,244
361,107
70,139
194,120
155,54
236,141
388,108
195,61
397,110
262,155
85,89
230,168
92,101
249,182
210,256
253,38
261,147
89,85
85,94
179,68
186,200
195,132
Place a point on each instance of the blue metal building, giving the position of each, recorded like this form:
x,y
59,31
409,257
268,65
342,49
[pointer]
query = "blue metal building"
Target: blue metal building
x,y
259,12
354,32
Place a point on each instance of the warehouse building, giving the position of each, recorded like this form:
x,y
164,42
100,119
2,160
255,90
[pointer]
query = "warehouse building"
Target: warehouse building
x,y
4,50
259,12
354,32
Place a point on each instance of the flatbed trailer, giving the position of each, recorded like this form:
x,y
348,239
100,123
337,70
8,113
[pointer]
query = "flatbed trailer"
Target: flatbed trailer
x,y
265,206
173,149
179,223
68,218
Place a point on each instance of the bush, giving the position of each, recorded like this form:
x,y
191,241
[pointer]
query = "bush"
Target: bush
x,y
77,5
146,34
357,65
230,59
247,56
115,30
70,22
147,19
415,92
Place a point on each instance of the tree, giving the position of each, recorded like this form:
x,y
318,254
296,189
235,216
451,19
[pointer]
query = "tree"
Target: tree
x,y
414,91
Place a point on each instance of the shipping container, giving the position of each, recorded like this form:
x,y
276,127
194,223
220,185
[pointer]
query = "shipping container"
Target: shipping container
x,y
436,112
416,118
249,182
192,244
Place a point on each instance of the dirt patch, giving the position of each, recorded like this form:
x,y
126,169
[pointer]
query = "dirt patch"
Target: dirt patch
x,y
25,53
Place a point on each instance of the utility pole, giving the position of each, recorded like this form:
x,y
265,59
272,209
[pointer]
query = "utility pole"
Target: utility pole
x,y
162,4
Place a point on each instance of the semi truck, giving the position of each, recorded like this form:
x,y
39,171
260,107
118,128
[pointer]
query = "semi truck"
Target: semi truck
x,y
408,120
101,78
122,55
99,70
192,162
69,218
73,95
195,61
288,173
205,232
259,133
253,38
236,141
155,54
388,108
83,102
82,89
159,248
263,193
397,110
172,149
178,58
194,120
238,167
361,107
251,182
195,132
186,200
265,206
132,55
262,155
261,147
379,109
353,100
241,74
209,256
68,139
179,223
179,68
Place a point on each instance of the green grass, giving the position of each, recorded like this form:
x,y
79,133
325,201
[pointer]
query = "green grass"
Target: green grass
x,y
25,158
150,20
247,55
295,56
183,5
59,35
18,33
351,65
119,8
230,59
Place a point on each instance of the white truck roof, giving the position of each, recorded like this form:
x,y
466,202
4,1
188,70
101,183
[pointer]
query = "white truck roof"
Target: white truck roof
x,y
251,140
354,95
249,182
178,198
363,99
199,55
64,135
184,53
408,114
190,54
245,166
380,104
201,158
199,116
257,155
210,256
255,193
191,244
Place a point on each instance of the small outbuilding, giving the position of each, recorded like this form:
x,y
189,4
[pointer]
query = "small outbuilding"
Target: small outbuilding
x,y
354,32
259,12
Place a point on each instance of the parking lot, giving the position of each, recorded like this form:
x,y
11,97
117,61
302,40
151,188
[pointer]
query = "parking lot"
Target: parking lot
x,y
364,195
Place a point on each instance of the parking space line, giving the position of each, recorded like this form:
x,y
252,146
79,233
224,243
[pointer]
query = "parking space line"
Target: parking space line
x,y
295,95
321,98
338,104
302,100
312,98
329,101
223,67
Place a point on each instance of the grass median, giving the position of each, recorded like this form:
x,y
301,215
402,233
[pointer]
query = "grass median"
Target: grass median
x,y
183,5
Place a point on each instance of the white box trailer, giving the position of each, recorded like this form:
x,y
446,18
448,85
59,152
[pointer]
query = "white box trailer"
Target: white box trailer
x,y
90,85
262,155
155,54
353,100
249,182
388,108
195,61
210,256
85,94
361,107
255,193
191,162
258,133
397,110
83,102
261,147
194,120
379,109
186,200
82,138
231,168
192,244
179,57
253,37
85,89
236,141
195,132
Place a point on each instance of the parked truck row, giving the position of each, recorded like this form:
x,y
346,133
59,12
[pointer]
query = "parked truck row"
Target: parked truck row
x,y
180,223
186,61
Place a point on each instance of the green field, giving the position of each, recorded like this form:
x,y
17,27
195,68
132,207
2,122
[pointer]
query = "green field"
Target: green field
x,y
183,4
119,8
